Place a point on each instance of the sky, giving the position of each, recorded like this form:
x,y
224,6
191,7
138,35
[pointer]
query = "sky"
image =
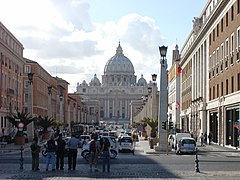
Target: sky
x,y
74,39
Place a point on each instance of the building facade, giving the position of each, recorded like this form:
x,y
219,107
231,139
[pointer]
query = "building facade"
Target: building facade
x,y
210,78
11,79
118,88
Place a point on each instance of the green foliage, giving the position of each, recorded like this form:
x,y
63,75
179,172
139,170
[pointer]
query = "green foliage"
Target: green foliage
x,y
23,117
45,122
58,123
153,123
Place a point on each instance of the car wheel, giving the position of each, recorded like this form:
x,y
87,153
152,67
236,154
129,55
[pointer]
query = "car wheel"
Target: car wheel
x,y
86,156
84,153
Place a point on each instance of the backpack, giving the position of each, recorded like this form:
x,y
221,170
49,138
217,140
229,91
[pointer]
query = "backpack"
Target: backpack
x,y
51,146
92,146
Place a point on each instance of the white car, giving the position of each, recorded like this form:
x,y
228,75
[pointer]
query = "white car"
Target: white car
x,y
126,144
186,145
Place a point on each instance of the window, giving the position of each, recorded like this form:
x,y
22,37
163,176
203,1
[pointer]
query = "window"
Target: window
x,y
238,6
226,86
210,94
238,44
226,55
221,88
27,69
213,92
210,37
232,12
232,85
222,25
232,47
238,81
227,19
217,90
214,35
217,30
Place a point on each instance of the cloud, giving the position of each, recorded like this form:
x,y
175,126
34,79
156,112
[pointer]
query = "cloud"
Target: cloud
x,y
60,36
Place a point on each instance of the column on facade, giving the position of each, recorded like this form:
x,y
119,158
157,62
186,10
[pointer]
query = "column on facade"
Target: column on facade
x,y
126,109
105,108
120,108
74,112
193,77
113,108
107,115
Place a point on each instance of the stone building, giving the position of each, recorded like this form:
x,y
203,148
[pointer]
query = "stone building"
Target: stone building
x,y
117,89
210,79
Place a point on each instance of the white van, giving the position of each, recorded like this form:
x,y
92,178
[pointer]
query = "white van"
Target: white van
x,y
178,137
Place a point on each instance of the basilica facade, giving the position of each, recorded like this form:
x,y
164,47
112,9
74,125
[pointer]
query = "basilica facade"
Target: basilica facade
x,y
110,99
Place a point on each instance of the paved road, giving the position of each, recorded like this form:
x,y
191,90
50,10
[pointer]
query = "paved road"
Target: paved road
x,y
145,164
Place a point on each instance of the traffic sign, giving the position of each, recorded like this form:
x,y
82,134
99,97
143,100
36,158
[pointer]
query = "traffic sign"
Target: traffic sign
x,y
20,125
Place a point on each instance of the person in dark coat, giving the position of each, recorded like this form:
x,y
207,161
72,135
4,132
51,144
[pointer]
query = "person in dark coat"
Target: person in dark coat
x,y
35,148
60,152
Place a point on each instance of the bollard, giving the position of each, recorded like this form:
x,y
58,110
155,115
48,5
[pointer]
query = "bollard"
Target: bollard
x,y
21,158
197,163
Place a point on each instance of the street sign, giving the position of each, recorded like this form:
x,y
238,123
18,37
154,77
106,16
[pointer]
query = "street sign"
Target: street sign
x,y
20,125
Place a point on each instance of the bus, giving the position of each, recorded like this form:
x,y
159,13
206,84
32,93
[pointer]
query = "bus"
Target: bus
x,y
78,130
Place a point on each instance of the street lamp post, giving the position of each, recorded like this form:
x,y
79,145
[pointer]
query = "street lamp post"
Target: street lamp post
x,y
30,129
163,100
49,101
61,107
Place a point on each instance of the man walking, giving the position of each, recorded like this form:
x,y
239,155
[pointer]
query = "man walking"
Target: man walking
x,y
94,149
73,145
51,153
60,152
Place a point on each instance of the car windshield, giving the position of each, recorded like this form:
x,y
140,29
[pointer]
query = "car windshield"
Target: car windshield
x,y
126,140
188,141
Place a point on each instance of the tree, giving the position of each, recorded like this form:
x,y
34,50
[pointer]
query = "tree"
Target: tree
x,y
45,122
21,117
153,123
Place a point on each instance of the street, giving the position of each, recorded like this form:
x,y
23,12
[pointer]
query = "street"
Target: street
x,y
212,165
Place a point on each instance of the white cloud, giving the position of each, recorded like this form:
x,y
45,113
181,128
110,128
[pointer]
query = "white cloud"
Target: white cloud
x,y
60,36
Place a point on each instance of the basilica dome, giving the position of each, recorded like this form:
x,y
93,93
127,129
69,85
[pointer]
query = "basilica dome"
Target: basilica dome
x,y
142,81
119,64
95,81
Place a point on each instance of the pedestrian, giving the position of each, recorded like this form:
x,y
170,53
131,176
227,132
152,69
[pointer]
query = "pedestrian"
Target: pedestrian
x,y
210,137
105,145
205,137
94,150
51,146
73,145
60,152
202,139
35,148
3,132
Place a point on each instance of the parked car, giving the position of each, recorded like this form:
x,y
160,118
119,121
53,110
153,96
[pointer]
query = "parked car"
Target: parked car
x,y
178,137
186,145
126,144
